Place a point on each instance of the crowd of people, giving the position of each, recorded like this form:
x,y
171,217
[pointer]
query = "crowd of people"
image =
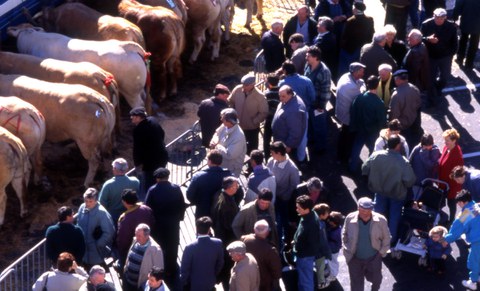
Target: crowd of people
x,y
381,85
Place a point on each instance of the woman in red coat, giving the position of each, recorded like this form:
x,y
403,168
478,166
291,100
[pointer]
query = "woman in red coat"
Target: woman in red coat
x,y
451,157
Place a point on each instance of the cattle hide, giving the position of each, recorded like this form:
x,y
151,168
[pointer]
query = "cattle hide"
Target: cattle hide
x,y
27,123
79,21
165,39
13,169
124,59
72,112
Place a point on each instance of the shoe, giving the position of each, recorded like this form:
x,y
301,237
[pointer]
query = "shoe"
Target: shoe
x,y
469,284
330,279
323,285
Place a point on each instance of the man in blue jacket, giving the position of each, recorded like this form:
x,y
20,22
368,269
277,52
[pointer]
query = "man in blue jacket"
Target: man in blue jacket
x,y
202,259
468,223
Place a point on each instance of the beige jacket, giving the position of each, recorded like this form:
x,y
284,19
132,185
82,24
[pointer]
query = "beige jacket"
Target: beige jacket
x,y
252,110
153,257
379,234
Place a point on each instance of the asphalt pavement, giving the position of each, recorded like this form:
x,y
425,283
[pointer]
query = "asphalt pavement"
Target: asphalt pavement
x,y
458,108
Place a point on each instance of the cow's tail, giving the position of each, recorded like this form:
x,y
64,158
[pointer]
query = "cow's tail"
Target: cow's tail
x,y
148,84
112,88
108,140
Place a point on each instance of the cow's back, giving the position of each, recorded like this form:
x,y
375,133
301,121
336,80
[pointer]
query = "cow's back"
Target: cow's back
x,y
71,111
123,59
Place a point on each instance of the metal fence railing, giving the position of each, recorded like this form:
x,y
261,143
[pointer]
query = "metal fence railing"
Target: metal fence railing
x,y
22,273
186,156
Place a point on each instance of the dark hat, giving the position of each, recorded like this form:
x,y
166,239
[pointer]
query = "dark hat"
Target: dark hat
x,y
138,111
221,89
400,73
366,203
230,115
237,247
161,173
355,66
359,6
248,79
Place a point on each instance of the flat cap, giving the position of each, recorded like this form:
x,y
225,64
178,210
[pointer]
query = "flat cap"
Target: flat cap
x,y
360,6
138,111
400,72
355,66
366,203
439,12
221,89
161,173
248,79
237,247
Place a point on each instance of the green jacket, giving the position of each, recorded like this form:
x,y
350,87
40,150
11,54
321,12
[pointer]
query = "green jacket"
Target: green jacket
x,y
389,173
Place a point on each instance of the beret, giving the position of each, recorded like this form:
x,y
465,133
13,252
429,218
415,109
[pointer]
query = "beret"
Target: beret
x,y
161,173
138,111
248,79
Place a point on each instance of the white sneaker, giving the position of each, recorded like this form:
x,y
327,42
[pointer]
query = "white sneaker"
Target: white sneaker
x,y
469,284
331,279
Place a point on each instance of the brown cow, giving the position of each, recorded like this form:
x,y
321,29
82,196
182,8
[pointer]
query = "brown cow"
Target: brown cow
x,y
204,15
72,112
28,124
57,71
177,6
165,38
79,21
13,169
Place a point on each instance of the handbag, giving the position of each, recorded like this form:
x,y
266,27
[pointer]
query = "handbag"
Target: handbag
x,y
46,282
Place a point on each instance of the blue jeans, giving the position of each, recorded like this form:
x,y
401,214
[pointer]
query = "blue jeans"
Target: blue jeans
x,y
305,273
392,210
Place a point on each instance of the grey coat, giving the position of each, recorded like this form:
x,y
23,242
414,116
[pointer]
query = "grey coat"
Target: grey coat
x,y
88,220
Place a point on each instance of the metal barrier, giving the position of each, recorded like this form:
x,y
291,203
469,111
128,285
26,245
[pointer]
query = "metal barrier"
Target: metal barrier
x,y
22,273
186,156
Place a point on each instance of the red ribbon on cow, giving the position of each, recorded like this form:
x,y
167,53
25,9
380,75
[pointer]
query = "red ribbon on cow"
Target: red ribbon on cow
x,y
108,80
146,56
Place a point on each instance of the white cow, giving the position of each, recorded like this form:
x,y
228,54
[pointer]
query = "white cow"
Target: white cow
x,y
28,124
13,169
72,112
124,59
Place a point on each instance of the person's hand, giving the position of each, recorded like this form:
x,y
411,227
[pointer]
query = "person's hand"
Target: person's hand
x,y
444,256
74,265
444,244
289,149
432,39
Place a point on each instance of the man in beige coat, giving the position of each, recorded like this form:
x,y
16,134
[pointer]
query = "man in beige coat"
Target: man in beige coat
x,y
245,274
252,108
365,240
147,252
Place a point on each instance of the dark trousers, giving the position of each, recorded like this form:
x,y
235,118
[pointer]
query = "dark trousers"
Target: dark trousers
x,y
167,236
371,269
472,41
397,16
452,209
267,138
361,139
437,264
251,136
440,72
345,144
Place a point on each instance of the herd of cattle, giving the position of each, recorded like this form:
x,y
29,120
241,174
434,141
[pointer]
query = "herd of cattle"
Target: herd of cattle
x,y
74,64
